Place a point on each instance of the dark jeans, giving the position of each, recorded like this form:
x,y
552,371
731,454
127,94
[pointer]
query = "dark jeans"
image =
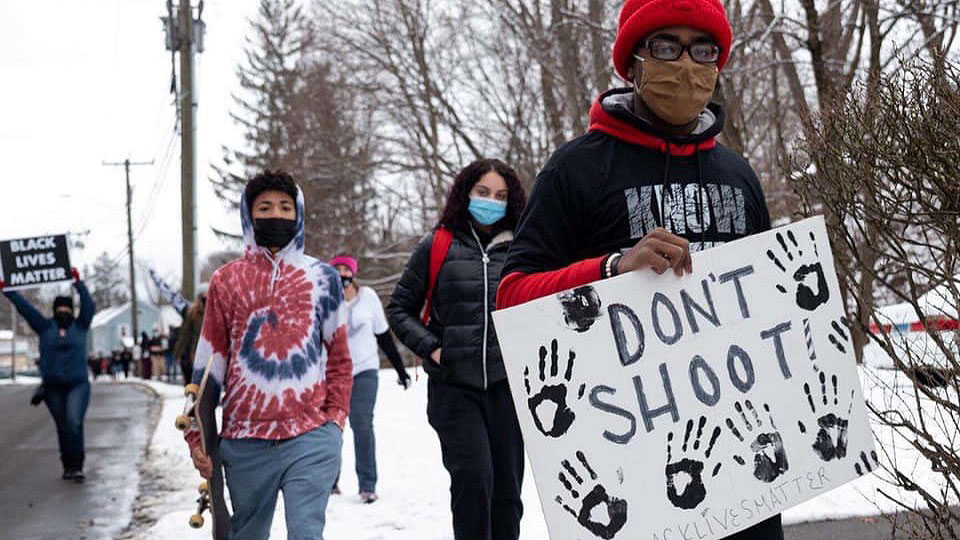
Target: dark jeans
x,y
483,451
362,400
68,405
186,368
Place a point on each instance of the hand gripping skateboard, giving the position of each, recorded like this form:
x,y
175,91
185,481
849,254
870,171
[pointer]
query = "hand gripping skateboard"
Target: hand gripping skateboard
x,y
199,408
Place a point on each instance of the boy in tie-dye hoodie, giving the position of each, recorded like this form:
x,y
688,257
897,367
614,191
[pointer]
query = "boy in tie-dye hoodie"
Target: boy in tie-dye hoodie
x,y
274,333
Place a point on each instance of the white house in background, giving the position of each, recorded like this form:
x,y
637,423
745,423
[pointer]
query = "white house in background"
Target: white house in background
x,y
112,328
24,347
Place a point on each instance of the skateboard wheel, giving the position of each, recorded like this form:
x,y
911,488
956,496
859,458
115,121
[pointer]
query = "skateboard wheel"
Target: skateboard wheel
x,y
196,521
182,422
191,390
204,487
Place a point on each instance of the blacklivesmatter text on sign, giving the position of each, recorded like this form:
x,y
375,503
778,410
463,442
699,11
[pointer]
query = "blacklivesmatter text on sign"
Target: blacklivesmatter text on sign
x,y
664,407
31,262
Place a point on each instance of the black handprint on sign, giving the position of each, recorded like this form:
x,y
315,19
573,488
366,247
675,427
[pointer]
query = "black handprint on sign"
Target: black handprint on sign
x,y
811,282
831,439
685,477
769,455
581,307
551,400
843,341
869,463
597,496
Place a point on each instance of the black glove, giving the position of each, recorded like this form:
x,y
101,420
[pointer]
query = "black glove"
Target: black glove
x,y
405,381
38,396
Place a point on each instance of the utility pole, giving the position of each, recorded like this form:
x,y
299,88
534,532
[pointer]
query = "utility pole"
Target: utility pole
x,y
188,147
134,307
13,343
184,35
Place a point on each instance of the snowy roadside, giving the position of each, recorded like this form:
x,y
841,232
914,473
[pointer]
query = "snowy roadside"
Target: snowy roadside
x,y
21,379
413,485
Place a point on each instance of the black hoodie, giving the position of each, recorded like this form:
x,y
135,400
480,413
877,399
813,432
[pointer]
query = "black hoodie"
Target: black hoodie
x,y
605,190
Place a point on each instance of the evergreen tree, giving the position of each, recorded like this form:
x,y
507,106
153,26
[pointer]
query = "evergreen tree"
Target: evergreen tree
x,y
297,117
106,281
270,78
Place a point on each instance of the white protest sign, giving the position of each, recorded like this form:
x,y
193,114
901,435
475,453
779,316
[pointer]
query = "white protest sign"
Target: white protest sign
x,y
667,408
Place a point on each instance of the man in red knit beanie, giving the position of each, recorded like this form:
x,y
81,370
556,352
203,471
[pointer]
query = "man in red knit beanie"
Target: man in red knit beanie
x,y
649,182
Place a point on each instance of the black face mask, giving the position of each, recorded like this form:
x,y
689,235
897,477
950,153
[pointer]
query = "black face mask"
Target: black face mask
x,y
274,232
346,280
63,319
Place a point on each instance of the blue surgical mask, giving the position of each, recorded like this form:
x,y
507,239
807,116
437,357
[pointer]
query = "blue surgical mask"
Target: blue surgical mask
x,y
487,211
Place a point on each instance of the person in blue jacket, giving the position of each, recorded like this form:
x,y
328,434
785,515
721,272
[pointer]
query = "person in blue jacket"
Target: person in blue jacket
x,y
63,367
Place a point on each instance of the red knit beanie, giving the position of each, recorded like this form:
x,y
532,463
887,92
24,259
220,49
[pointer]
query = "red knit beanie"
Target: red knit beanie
x,y
639,18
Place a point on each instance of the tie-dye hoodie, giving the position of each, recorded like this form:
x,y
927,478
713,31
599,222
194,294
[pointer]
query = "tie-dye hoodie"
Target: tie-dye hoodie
x,y
274,331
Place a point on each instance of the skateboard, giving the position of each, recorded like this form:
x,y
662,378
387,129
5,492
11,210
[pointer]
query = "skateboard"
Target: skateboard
x,y
200,408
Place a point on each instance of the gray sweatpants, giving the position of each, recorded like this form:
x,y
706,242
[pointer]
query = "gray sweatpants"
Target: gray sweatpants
x,y
303,467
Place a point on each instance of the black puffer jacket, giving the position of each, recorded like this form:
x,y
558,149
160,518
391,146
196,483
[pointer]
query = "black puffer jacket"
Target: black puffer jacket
x,y
460,313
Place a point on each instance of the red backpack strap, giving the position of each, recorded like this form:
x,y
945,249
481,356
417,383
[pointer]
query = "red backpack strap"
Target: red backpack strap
x,y
442,239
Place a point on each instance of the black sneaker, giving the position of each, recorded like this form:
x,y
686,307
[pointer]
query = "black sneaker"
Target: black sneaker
x,y
74,475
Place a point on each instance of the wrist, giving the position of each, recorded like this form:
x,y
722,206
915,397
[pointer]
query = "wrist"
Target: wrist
x,y
611,265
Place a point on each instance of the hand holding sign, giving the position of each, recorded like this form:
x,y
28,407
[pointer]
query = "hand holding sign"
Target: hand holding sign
x,y
76,275
660,251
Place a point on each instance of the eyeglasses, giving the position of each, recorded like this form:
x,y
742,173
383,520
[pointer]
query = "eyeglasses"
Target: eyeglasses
x,y
702,52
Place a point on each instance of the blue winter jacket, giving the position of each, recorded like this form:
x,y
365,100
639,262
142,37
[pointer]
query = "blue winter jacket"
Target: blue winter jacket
x,y
63,360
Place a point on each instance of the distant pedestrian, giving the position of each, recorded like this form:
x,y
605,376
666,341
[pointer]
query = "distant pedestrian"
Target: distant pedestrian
x,y
169,362
126,359
63,368
186,345
367,329
96,367
156,355
115,362
146,367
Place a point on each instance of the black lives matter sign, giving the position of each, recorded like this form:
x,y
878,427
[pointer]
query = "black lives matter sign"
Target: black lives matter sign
x,y
31,262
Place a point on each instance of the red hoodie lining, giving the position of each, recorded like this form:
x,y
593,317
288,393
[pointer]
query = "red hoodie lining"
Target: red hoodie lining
x,y
604,122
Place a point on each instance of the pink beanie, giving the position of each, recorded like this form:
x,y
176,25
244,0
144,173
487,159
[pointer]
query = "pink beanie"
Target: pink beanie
x,y
345,260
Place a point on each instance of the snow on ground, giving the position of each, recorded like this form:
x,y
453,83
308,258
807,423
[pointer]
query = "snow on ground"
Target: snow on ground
x,y
21,379
413,486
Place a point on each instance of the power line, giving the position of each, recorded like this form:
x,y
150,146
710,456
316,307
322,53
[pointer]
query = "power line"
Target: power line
x,y
126,164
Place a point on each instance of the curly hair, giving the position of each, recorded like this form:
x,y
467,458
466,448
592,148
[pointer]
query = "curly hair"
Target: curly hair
x,y
267,180
456,216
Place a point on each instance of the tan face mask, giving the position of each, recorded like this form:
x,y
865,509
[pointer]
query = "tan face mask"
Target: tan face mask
x,y
676,91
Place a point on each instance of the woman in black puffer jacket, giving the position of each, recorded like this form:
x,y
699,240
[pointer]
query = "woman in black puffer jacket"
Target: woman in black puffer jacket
x,y
469,403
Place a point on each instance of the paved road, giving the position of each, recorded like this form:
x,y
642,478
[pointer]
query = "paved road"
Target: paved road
x,y
34,502
876,528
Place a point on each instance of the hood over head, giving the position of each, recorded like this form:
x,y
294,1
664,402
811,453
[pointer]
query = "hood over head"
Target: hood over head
x,y
290,252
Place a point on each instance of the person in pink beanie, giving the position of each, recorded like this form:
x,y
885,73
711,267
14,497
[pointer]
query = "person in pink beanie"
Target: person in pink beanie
x,y
648,183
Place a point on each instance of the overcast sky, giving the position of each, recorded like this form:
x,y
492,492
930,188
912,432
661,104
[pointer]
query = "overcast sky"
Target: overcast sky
x,y
89,81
